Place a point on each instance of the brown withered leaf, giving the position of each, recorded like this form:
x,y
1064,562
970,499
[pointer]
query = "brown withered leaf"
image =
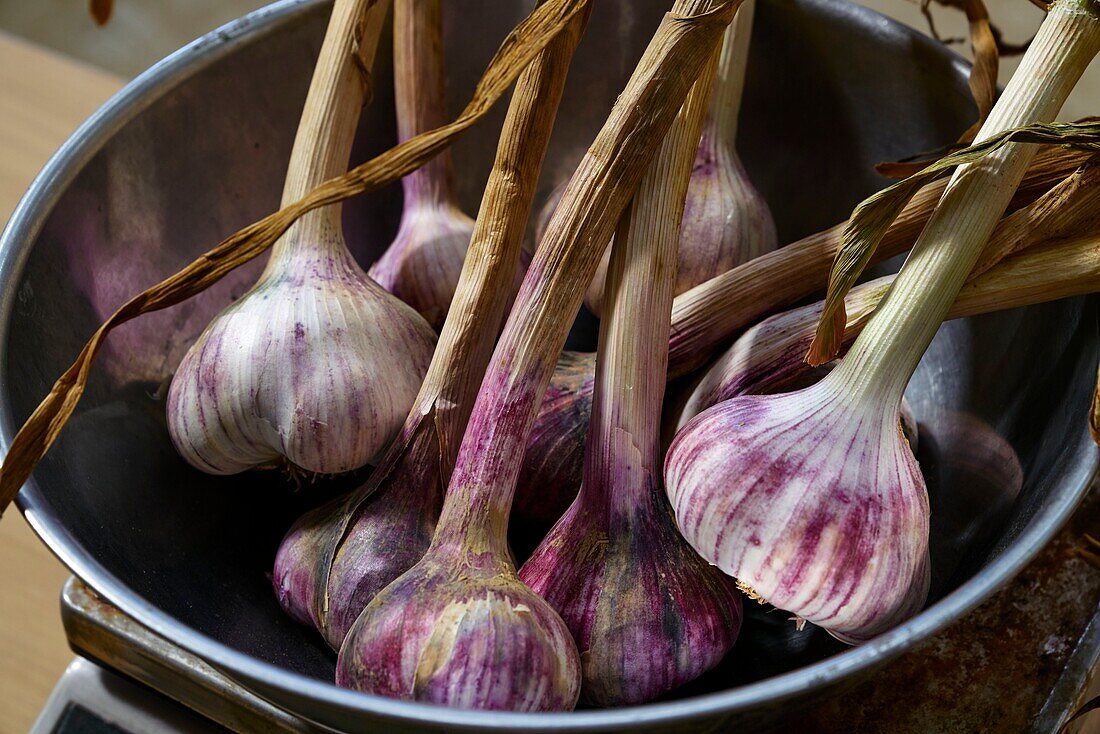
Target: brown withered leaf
x,y
987,49
873,216
1069,209
1094,412
526,41
101,10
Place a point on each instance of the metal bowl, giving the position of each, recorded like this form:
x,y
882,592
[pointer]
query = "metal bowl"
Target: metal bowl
x,y
196,148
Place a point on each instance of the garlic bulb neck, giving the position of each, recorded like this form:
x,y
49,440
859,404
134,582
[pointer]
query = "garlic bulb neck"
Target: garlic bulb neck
x,y
420,95
729,82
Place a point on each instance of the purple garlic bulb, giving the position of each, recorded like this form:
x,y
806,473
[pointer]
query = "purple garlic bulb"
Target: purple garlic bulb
x,y
424,262
726,220
554,461
647,613
301,559
336,558
315,367
467,635
813,501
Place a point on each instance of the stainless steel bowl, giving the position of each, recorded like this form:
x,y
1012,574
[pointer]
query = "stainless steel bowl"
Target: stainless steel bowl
x,y
196,148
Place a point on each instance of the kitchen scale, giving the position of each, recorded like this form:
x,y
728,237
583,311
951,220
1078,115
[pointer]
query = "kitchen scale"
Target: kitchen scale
x,y
1023,661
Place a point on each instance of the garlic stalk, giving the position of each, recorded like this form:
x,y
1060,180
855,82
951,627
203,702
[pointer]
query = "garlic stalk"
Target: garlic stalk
x,y
771,355
647,613
423,264
726,221
337,558
315,366
460,628
812,499
707,316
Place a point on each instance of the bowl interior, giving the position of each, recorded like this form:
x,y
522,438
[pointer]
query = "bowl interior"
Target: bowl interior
x,y
831,90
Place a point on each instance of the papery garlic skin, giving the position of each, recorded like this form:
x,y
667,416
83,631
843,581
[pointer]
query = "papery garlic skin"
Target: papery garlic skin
x,y
423,264
815,504
336,558
647,613
299,561
726,221
553,463
473,637
314,367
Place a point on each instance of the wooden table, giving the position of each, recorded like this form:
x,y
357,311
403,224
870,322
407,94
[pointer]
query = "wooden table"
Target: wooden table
x,y
43,98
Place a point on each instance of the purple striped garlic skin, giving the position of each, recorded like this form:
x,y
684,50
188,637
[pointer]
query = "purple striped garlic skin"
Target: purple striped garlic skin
x,y
771,356
647,613
300,559
424,262
471,636
315,367
336,558
812,502
553,463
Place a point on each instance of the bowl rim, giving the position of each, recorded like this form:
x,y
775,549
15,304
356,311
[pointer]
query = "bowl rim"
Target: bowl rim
x,y
25,224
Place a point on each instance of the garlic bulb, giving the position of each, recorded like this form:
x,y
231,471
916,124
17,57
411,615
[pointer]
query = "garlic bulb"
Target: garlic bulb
x,y
817,506
726,221
316,365
647,613
299,559
813,499
336,558
554,461
469,636
423,263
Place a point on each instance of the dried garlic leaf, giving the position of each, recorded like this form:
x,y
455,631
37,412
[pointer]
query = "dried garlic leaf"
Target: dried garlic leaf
x,y
1094,412
982,80
101,11
872,217
526,41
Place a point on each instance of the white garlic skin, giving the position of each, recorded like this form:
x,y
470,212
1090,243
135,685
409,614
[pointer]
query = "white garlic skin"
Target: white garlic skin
x,y
316,367
815,503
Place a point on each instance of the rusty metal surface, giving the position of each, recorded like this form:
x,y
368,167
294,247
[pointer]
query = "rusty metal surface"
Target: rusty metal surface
x,y
99,631
994,669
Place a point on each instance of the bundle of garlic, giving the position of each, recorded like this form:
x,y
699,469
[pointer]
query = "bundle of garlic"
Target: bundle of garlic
x,y
337,558
423,264
460,628
293,372
647,613
707,316
811,499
